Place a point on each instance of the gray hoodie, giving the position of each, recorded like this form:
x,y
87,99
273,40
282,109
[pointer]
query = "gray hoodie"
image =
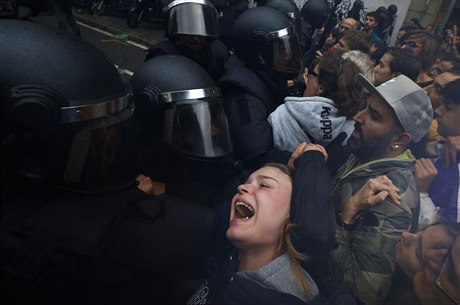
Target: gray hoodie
x,y
277,275
307,119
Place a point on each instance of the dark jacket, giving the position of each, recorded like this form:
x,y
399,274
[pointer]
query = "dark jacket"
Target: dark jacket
x,y
249,98
70,248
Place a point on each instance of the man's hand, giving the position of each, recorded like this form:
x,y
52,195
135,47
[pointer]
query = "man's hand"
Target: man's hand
x,y
150,187
303,147
373,191
425,173
449,151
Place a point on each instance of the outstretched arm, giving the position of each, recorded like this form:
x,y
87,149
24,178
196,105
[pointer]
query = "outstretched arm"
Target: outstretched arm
x,y
312,211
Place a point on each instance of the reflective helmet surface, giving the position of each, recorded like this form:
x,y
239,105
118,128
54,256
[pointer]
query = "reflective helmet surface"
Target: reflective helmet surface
x,y
263,36
192,17
189,113
289,8
66,114
315,12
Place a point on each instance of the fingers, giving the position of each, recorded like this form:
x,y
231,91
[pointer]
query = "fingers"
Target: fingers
x,y
425,167
382,187
297,152
303,147
311,146
379,197
145,184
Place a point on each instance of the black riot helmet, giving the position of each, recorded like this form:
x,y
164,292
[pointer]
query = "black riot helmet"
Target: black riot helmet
x,y
264,37
189,115
66,114
392,10
290,9
315,12
191,17
356,10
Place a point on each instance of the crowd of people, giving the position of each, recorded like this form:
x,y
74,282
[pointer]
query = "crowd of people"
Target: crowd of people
x,y
270,158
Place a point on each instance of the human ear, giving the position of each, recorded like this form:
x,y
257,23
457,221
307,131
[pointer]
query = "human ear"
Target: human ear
x,y
320,90
400,140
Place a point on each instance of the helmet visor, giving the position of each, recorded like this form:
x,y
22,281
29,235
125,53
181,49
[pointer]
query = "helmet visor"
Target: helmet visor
x,y
193,19
197,128
287,56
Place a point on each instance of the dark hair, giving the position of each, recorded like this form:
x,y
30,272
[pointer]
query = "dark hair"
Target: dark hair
x,y
405,62
357,40
430,47
339,78
381,48
451,90
453,60
335,32
416,22
373,15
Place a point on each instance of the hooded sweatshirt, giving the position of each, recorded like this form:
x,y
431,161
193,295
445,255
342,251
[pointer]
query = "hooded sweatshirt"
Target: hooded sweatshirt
x,y
307,119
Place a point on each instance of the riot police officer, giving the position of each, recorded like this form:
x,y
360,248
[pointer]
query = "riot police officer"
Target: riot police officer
x,y
268,50
68,167
184,136
290,9
186,150
314,15
192,28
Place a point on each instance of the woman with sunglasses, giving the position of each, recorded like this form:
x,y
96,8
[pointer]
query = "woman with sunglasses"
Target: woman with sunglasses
x,y
330,100
429,261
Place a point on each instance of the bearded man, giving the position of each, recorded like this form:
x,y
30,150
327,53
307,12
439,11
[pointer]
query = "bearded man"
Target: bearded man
x,y
375,194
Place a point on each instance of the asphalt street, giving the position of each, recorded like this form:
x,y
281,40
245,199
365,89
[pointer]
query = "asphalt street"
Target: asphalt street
x,y
125,47
128,56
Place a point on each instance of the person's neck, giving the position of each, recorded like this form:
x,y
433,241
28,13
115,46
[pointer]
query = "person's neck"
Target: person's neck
x,y
423,77
256,258
388,154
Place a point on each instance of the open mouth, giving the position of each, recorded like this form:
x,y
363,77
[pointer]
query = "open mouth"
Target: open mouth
x,y
244,210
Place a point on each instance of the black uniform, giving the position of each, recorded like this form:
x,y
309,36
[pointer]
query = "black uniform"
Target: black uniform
x,y
250,96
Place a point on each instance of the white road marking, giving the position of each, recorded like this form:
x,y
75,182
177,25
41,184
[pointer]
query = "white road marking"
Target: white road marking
x,y
112,35
120,70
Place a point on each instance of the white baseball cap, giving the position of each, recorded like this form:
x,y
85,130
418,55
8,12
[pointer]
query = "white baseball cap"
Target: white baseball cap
x,y
409,101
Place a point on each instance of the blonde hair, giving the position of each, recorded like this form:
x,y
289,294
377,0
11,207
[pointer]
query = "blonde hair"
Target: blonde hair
x,y
285,243
295,258
362,61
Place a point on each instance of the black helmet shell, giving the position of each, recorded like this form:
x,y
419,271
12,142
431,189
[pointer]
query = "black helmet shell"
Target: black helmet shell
x,y
288,8
315,12
32,53
170,73
66,114
264,36
178,103
192,17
